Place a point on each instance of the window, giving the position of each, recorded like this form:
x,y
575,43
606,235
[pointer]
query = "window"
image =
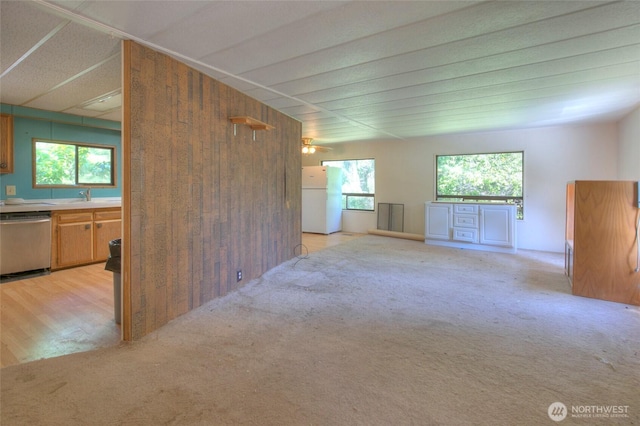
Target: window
x,y
358,183
495,177
60,164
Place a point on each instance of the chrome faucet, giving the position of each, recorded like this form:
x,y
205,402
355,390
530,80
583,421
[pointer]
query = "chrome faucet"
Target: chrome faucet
x,y
86,194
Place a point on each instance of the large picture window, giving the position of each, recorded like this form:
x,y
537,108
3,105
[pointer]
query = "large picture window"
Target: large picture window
x,y
358,183
62,164
494,177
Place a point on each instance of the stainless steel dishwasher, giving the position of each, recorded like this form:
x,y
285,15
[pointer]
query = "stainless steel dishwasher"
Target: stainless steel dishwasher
x,y
25,242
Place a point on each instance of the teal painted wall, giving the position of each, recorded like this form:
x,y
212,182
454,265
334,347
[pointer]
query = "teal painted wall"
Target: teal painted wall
x,y
31,123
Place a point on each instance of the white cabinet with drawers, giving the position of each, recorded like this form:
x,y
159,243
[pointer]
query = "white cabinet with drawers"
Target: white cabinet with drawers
x,y
475,226
465,223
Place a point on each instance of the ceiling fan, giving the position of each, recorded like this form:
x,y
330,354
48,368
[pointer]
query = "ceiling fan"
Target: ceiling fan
x,y
307,148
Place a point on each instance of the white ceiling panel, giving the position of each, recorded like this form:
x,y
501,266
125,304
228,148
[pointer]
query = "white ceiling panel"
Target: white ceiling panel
x,y
348,22
561,70
218,25
89,48
16,16
423,82
532,89
348,70
507,49
143,18
93,84
277,103
488,100
28,81
420,35
115,115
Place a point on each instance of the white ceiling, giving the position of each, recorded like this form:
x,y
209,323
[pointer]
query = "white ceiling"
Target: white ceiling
x,y
348,70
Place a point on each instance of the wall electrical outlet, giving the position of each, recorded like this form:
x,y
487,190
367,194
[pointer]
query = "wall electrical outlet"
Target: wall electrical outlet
x,y
239,275
11,190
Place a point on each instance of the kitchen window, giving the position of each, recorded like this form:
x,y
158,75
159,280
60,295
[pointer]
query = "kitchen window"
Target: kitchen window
x,y
65,164
358,183
493,177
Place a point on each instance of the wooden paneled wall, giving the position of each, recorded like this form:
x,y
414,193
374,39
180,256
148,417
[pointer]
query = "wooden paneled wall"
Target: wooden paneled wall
x,y
199,203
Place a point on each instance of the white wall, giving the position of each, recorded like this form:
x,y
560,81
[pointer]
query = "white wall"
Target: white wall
x,y
629,146
553,156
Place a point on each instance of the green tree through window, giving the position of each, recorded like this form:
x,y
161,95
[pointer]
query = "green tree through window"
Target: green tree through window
x,y
494,177
358,183
70,164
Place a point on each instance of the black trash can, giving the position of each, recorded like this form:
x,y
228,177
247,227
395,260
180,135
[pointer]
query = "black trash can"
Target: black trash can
x,y
114,265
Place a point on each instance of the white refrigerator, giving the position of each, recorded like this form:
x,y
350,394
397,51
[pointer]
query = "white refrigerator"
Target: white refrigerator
x,y
321,199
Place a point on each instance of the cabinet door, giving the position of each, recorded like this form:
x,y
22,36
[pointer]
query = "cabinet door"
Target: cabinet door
x,y
75,243
497,225
6,143
438,221
105,231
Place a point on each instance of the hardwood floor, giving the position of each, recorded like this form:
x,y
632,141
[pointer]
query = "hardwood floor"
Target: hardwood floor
x,y
72,310
315,242
65,312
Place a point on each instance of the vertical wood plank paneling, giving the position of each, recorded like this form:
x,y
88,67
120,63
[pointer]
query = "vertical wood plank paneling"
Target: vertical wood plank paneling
x,y
203,202
129,220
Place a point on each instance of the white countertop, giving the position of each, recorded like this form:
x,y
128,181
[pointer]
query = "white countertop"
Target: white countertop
x,y
491,203
60,204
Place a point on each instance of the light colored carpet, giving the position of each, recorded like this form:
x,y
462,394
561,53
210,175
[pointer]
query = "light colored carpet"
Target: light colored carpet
x,y
374,331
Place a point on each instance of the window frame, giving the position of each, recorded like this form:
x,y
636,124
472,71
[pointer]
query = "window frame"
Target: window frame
x,y
518,201
346,195
77,145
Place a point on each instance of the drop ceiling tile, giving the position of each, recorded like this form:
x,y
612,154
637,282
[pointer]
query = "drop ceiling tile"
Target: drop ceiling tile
x,y
28,81
91,85
15,17
115,115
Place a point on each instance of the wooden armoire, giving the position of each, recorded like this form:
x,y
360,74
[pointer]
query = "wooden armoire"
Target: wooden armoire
x,y
601,250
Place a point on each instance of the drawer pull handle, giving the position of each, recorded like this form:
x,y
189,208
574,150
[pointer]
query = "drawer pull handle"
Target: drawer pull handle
x,y
87,226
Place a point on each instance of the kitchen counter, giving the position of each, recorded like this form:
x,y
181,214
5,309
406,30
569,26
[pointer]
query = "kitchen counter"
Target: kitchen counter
x,y
60,204
491,203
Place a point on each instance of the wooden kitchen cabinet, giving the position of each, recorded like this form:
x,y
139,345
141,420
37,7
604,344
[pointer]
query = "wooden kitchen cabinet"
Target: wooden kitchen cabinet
x,y
81,237
75,242
6,143
107,226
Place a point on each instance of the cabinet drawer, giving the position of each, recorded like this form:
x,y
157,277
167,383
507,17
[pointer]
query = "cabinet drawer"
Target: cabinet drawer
x,y
465,208
465,220
75,217
468,235
107,215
